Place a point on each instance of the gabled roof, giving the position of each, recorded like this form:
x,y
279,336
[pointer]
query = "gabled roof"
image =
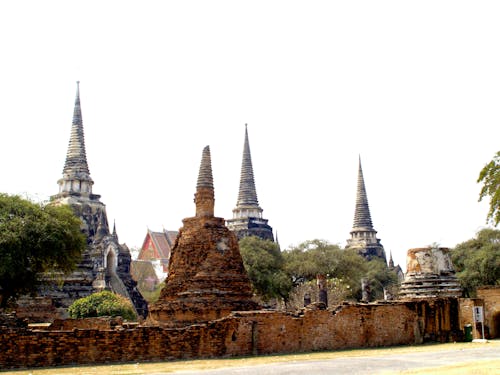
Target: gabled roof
x,y
163,242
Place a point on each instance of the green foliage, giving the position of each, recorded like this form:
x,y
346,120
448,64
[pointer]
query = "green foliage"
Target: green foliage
x,y
263,262
477,261
490,177
104,303
317,257
380,278
35,239
151,296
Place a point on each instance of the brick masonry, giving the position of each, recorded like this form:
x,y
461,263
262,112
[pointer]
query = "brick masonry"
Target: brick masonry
x,y
240,334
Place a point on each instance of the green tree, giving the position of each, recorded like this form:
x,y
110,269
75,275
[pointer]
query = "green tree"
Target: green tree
x,y
490,177
34,239
263,262
104,303
311,258
380,278
477,261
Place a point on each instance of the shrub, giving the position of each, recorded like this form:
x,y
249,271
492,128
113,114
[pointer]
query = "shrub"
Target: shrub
x,y
104,303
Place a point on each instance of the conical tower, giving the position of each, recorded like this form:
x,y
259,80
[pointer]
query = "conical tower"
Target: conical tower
x,y
204,197
105,263
363,236
76,178
75,186
207,279
247,216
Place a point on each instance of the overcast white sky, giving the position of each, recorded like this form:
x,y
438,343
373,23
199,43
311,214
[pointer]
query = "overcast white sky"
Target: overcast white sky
x,y
412,87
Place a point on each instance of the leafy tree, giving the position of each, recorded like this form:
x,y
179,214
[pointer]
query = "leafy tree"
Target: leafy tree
x,y
477,261
35,239
311,258
263,262
103,303
380,278
490,177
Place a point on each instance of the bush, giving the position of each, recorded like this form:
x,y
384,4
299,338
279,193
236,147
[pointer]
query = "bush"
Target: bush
x,y
102,304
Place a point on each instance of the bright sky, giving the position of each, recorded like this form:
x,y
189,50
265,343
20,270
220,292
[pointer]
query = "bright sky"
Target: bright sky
x,y
412,87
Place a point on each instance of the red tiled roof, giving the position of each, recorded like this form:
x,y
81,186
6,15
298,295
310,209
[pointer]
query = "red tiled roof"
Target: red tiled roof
x,y
163,243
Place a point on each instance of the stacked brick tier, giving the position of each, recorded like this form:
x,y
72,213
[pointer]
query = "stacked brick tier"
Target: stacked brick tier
x,y
207,278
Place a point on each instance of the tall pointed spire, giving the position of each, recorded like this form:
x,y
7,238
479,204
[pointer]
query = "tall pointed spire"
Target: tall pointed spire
x,y
247,216
247,194
363,236
391,261
362,217
204,196
76,176
205,177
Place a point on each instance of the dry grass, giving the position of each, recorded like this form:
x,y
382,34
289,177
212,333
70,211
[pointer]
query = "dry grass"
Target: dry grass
x,y
480,367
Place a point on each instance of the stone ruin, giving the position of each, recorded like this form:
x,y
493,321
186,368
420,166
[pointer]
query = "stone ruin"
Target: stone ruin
x,y
105,263
207,279
429,274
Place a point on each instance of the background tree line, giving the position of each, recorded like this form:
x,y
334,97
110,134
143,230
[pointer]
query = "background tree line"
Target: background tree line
x,y
290,275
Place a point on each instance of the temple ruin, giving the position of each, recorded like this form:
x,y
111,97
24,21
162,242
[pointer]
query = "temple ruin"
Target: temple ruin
x,y
429,274
105,262
207,279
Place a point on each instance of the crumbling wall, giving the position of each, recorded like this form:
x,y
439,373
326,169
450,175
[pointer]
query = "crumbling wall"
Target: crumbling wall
x,y
241,333
491,297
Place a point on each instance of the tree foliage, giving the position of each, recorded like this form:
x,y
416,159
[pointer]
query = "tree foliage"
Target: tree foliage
x,y
35,239
311,258
263,262
477,261
104,303
490,177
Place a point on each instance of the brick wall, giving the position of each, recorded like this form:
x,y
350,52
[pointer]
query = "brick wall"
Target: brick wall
x,y
242,333
491,298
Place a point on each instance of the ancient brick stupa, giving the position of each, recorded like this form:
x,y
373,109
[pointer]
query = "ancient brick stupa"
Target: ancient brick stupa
x,y
207,279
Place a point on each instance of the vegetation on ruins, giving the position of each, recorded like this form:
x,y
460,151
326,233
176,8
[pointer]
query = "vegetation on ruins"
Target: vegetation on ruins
x,y
35,239
264,264
336,290
490,177
103,303
477,261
